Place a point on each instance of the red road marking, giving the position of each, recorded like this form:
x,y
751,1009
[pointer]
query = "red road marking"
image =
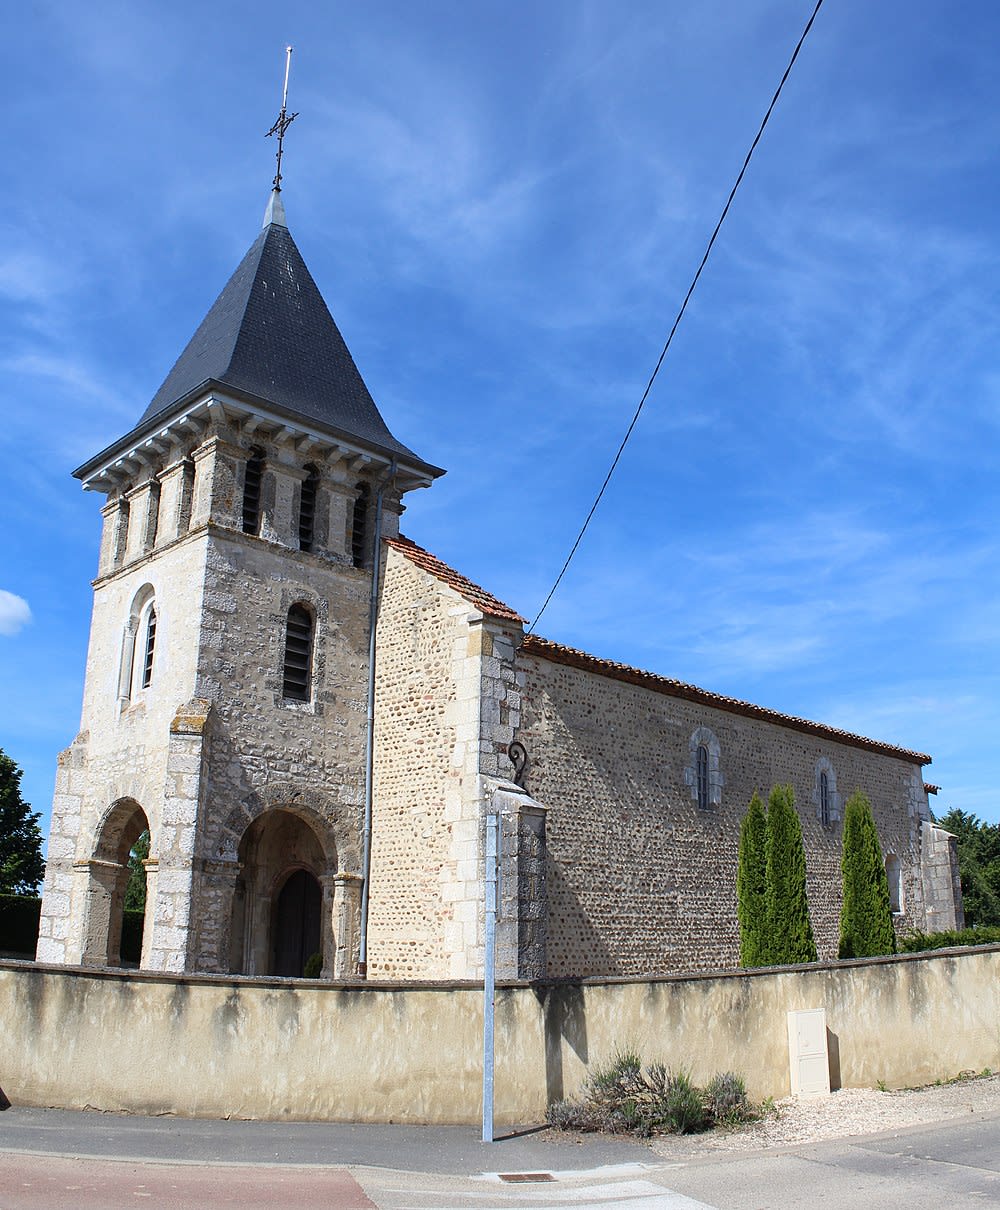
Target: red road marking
x,y
35,1182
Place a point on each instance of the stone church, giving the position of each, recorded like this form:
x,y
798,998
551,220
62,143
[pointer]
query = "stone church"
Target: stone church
x,y
311,715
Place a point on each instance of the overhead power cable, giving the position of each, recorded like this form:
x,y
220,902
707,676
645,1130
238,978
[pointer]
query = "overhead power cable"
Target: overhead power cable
x,y
679,316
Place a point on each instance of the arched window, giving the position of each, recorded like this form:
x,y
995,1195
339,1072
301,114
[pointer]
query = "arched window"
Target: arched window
x,y
307,509
894,875
251,491
701,763
824,794
359,525
138,646
150,647
703,775
298,654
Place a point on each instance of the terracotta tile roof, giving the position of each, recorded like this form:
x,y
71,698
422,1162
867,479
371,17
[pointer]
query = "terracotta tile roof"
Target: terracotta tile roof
x,y
547,650
558,654
475,595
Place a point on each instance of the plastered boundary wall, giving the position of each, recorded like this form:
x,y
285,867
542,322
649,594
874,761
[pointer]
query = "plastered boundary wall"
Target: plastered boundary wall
x,y
214,1046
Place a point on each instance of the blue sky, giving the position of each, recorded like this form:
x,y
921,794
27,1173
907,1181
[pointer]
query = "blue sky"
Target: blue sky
x,y
503,204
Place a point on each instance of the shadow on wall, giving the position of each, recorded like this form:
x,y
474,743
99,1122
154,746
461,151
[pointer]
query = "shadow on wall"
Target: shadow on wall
x,y
575,947
833,1050
564,1018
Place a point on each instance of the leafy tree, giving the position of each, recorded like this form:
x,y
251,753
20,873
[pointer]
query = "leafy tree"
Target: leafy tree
x,y
751,885
979,865
135,891
789,933
21,862
866,913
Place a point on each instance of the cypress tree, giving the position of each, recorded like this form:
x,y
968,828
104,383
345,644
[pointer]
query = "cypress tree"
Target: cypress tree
x,y
789,933
866,915
751,885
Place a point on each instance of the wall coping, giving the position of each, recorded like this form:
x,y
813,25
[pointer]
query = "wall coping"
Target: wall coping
x,y
124,974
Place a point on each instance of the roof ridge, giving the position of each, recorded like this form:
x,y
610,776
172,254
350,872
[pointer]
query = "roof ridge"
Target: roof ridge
x,y
574,657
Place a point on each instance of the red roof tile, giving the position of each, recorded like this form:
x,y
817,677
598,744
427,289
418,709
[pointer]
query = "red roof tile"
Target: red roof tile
x,y
475,595
558,654
547,650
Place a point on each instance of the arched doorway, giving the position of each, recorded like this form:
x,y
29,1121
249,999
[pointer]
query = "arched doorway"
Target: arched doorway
x,y
109,872
280,914
295,929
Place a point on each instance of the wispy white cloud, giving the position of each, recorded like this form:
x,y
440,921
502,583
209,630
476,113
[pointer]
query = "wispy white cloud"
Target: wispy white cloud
x,y
15,613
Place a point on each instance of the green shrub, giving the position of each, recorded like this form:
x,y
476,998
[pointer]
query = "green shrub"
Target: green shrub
x,y
19,924
751,885
789,932
620,1097
916,942
727,1101
313,967
866,915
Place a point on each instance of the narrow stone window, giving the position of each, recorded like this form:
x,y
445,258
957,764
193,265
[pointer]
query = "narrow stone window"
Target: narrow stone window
x,y
824,798
307,509
298,654
702,777
359,525
824,794
251,491
147,659
894,875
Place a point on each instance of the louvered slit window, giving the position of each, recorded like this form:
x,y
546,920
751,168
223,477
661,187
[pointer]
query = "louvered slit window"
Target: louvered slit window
x,y
147,658
251,492
298,654
307,510
359,525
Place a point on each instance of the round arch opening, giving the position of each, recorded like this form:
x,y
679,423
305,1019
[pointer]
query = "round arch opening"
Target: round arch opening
x,y
279,921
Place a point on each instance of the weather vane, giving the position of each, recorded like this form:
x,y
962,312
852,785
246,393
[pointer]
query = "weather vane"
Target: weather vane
x,y
284,120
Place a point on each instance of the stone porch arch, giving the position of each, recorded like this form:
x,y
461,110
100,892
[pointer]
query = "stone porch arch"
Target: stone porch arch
x,y
265,841
107,874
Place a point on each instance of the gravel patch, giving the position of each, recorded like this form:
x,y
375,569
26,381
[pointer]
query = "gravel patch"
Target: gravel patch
x,y
849,1111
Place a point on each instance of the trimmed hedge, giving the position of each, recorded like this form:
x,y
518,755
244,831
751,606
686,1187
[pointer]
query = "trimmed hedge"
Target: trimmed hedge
x,y
19,923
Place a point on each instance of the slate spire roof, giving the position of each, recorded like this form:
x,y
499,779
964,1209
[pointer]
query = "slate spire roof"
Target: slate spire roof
x,y
269,339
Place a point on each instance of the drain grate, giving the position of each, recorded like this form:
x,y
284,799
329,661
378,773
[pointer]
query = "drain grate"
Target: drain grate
x,y
523,1178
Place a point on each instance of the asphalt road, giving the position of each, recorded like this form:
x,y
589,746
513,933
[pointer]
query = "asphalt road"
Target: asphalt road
x,y
174,1163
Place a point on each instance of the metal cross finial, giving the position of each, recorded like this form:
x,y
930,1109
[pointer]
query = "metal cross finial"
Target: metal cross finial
x,y
284,120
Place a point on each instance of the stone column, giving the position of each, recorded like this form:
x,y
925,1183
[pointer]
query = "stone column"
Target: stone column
x,y
346,925
152,867
280,522
173,944
102,917
942,885
340,511
176,491
212,930
113,535
218,484
59,929
522,928
144,502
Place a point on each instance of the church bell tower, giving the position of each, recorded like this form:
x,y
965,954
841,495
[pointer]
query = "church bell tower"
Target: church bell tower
x,y
224,709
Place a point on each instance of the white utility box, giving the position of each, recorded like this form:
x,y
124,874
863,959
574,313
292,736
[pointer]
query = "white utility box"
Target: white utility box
x,y
808,1054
